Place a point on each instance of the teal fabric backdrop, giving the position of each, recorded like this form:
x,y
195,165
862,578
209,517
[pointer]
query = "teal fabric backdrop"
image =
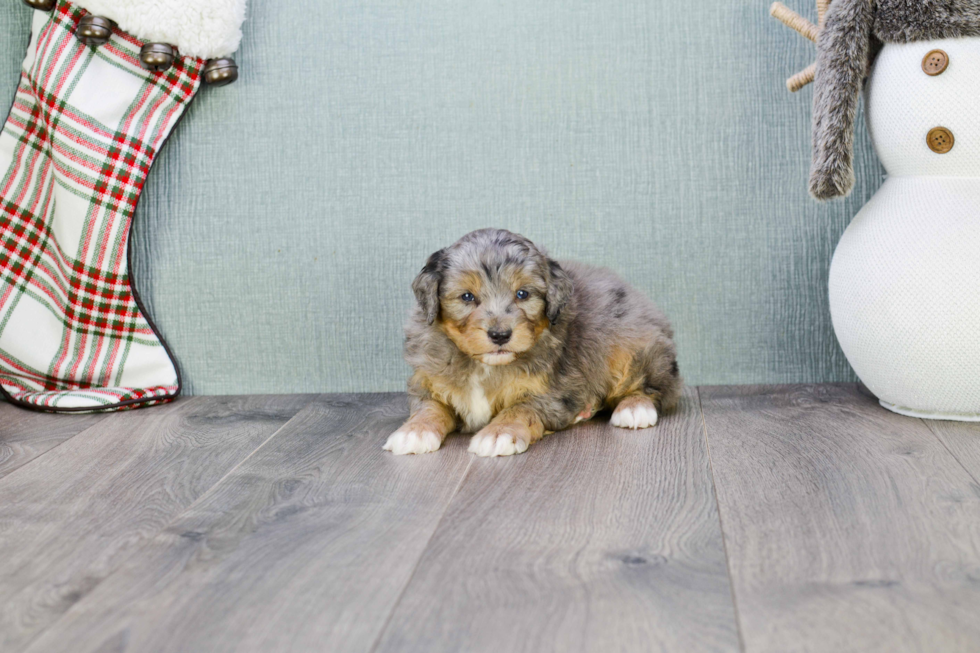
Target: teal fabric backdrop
x,y
281,227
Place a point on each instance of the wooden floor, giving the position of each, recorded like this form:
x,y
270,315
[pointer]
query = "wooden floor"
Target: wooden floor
x,y
789,518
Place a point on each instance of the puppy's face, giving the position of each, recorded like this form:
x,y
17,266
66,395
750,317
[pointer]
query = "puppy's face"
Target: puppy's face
x,y
493,293
494,314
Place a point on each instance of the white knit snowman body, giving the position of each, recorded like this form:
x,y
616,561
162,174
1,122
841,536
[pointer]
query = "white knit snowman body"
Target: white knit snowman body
x,y
905,278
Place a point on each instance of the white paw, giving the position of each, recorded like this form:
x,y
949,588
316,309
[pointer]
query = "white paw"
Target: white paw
x,y
411,440
503,443
634,417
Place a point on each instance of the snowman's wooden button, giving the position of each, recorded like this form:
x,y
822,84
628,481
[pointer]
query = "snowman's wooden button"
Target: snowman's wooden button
x,y
935,62
940,140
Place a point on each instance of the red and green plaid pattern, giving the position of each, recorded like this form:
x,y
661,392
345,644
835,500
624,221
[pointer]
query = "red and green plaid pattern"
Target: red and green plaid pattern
x,y
84,130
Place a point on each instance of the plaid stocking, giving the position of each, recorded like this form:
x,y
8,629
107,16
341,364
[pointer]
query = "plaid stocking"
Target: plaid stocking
x,y
84,130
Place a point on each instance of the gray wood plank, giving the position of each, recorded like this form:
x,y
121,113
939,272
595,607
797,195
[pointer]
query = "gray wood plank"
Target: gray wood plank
x,y
596,539
963,441
305,547
71,516
848,528
26,434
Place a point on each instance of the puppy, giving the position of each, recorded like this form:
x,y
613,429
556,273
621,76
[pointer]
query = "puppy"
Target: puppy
x,y
510,344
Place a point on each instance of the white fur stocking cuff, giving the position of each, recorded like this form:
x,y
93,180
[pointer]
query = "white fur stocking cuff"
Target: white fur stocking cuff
x,y
198,28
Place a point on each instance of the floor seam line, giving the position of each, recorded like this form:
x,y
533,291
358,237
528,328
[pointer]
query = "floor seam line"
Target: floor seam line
x,y
411,577
949,451
44,453
126,558
241,462
721,526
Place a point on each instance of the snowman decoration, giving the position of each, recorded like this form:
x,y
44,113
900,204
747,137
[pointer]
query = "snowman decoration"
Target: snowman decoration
x,y
905,278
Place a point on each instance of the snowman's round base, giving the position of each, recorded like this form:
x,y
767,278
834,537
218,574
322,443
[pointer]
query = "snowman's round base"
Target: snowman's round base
x,y
910,412
905,296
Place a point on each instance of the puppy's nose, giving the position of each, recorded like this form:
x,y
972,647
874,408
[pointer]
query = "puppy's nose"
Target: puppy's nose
x,y
499,337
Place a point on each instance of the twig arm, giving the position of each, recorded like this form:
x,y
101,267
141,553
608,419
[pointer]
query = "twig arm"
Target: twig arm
x,y
791,19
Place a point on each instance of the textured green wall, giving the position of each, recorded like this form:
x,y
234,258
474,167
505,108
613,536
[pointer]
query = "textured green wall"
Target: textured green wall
x,y
283,223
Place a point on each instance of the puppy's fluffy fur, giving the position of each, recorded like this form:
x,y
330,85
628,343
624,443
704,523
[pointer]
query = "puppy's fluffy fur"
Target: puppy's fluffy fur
x,y
510,344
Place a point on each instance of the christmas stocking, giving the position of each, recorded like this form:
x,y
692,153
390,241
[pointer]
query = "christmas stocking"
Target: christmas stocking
x,y
102,86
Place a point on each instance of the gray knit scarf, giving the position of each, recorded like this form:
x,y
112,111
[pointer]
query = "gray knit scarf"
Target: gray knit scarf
x,y
853,33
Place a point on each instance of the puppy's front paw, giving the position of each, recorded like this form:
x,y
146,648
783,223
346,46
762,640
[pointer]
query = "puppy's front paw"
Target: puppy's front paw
x,y
410,439
500,440
639,414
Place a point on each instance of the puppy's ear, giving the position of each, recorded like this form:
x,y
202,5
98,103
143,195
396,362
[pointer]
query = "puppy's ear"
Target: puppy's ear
x,y
426,285
559,291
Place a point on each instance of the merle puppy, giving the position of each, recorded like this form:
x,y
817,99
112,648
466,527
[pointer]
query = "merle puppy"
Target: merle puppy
x,y
510,344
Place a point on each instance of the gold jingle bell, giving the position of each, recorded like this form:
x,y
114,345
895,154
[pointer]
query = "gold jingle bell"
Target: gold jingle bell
x,y
157,57
94,31
218,72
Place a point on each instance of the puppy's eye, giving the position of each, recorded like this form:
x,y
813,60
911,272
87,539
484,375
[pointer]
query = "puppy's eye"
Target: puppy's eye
x,y
468,297
522,294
